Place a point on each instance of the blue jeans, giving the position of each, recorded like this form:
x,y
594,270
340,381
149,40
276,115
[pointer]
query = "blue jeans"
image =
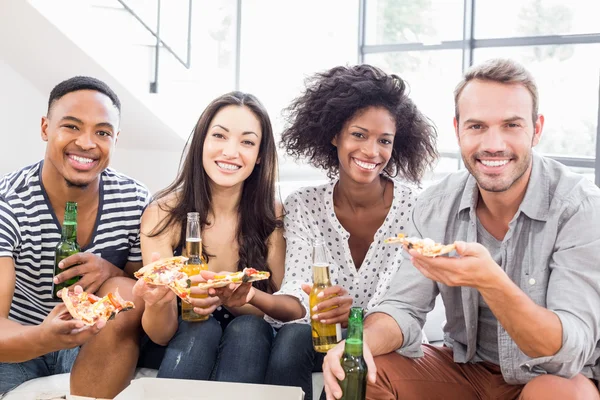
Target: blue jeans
x,y
57,362
201,350
293,359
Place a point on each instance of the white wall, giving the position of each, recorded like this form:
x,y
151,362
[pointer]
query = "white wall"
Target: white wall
x,y
21,109
156,169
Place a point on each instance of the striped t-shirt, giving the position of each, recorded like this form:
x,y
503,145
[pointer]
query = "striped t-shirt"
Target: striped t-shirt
x,y
30,231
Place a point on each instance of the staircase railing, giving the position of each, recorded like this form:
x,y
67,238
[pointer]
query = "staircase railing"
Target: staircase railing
x,y
160,43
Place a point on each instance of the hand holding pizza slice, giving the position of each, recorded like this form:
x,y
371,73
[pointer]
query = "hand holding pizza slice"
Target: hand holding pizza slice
x,y
167,272
89,308
245,276
425,247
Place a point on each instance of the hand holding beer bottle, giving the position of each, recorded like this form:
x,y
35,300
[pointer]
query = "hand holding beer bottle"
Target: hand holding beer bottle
x,y
333,307
334,371
354,384
66,247
195,264
324,335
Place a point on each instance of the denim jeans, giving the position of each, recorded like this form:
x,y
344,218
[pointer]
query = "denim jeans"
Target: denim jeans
x,y
201,350
293,359
57,362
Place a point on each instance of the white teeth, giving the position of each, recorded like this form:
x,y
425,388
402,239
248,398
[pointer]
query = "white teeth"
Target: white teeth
x,y
82,160
229,167
489,163
364,164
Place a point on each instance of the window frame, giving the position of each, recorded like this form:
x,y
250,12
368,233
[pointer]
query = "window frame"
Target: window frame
x,y
468,44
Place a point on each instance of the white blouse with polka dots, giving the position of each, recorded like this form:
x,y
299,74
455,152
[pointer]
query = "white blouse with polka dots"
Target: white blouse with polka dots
x,y
309,215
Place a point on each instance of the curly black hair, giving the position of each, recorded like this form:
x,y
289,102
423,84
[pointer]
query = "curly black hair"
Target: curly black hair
x,y
333,97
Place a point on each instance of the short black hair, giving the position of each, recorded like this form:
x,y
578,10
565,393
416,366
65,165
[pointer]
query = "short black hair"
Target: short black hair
x,y
77,83
333,97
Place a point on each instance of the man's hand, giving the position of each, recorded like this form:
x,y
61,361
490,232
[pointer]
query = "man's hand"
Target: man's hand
x,y
333,372
474,267
232,295
335,308
93,269
60,331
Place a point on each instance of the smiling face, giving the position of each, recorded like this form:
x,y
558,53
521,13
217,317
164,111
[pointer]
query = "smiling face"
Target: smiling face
x,y
365,144
81,130
496,133
232,146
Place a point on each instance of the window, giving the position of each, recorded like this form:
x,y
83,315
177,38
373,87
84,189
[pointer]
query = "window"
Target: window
x,y
431,76
277,54
568,84
416,21
559,42
497,19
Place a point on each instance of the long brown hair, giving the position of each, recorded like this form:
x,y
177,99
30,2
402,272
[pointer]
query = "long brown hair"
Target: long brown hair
x,y
256,213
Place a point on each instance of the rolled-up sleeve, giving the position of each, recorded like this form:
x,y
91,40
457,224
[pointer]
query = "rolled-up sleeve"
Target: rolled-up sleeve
x,y
574,291
410,297
298,258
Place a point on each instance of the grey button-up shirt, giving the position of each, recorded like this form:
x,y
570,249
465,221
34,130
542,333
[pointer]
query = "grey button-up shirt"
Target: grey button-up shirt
x,y
551,251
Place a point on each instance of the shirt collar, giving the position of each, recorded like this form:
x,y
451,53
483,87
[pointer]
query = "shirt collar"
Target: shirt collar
x,y
535,203
470,195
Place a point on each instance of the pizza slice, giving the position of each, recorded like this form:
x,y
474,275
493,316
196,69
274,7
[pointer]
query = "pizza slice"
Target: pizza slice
x,y
426,246
245,276
90,308
167,272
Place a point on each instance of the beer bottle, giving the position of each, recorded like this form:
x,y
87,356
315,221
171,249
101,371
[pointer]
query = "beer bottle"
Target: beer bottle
x,y
195,263
66,247
324,336
354,385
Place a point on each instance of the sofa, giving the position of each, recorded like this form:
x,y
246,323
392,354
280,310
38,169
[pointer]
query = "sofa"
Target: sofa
x,y
57,387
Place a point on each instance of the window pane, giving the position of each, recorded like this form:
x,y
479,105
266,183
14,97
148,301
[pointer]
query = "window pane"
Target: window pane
x,y
432,76
494,19
567,79
414,21
443,168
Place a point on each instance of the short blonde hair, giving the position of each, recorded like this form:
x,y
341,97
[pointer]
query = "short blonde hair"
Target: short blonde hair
x,y
499,70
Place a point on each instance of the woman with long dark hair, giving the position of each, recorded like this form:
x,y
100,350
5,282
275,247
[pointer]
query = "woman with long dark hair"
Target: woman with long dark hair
x,y
359,125
228,177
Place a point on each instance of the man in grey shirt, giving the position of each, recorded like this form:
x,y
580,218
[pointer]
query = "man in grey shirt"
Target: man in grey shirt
x,y
522,296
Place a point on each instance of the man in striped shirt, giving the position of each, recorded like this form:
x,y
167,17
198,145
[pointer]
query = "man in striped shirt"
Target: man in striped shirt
x,y
37,335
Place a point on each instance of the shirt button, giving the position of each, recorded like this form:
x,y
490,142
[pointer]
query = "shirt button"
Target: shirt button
x,y
532,281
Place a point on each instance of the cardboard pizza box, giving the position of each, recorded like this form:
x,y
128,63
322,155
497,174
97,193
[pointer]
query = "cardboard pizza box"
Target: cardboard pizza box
x,y
183,389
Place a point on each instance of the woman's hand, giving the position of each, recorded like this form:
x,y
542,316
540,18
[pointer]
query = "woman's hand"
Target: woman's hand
x,y
200,299
233,295
153,295
335,306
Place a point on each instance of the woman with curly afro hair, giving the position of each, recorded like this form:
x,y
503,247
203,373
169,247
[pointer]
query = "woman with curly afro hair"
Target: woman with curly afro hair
x,y
359,125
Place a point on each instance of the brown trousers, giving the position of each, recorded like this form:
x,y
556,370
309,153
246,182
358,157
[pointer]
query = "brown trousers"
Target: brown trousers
x,y
437,376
